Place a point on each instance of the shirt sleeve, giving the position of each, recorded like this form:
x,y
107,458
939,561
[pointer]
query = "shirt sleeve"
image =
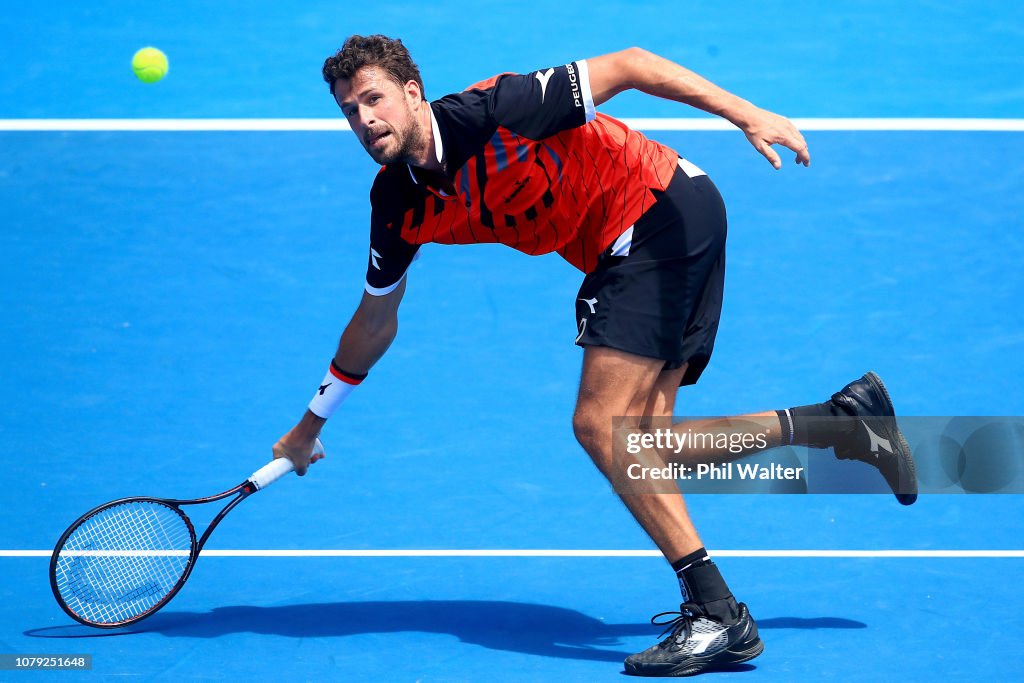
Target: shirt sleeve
x,y
543,103
390,255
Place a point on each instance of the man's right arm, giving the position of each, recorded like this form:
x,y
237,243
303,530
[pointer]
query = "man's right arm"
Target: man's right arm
x,y
641,70
368,335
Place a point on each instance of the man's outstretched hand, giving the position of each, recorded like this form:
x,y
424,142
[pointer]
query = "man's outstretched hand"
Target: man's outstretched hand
x,y
300,449
764,129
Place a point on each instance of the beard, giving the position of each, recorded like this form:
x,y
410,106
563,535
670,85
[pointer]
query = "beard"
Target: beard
x,y
402,145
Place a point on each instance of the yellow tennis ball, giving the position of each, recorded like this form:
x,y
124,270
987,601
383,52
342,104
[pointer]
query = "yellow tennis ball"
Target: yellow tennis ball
x,y
149,65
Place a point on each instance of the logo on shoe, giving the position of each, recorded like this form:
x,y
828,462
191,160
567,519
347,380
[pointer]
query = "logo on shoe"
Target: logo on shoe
x,y
702,640
877,441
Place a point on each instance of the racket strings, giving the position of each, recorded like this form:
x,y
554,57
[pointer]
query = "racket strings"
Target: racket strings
x,y
122,561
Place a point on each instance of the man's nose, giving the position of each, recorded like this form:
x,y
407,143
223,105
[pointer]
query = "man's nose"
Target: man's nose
x,y
366,117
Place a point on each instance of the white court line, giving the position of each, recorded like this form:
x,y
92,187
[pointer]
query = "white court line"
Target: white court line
x,y
560,553
669,124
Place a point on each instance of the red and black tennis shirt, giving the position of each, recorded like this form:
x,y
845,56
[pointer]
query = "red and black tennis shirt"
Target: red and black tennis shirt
x,y
529,163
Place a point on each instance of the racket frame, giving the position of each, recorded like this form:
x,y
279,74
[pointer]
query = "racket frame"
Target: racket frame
x,y
244,490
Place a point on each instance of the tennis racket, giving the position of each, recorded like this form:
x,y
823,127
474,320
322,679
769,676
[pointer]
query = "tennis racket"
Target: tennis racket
x,y
124,560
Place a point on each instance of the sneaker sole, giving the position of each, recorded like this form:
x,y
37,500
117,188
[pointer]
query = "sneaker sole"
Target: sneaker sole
x,y
697,665
895,436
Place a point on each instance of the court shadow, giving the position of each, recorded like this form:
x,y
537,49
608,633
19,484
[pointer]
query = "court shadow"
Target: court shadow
x,y
809,623
543,630
518,627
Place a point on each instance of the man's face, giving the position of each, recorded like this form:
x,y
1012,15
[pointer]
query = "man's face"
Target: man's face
x,y
381,113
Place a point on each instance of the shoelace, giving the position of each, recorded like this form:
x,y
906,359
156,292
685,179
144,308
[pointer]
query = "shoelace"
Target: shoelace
x,y
688,611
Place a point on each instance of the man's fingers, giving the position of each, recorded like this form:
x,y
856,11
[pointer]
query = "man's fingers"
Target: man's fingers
x,y
302,464
795,143
776,130
301,467
299,462
803,155
798,144
769,154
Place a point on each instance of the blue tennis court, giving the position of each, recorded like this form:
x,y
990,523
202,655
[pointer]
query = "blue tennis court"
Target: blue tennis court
x,y
172,296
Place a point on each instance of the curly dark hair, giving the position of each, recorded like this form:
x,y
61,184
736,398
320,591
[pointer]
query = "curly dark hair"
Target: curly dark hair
x,y
376,50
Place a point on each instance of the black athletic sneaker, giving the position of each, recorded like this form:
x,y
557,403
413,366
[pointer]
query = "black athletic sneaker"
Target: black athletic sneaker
x,y
877,439
697,644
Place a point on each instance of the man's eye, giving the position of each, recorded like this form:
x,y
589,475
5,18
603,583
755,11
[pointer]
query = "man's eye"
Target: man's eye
x,y
374,99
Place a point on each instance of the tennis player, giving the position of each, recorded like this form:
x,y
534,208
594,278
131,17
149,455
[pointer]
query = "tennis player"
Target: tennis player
x,y
527,161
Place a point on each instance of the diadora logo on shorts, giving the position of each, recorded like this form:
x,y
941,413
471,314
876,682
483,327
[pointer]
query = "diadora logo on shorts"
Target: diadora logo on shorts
x,y
592,303
544,77
877,441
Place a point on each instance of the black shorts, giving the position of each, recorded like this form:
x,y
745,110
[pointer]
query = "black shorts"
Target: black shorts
x,y
663,298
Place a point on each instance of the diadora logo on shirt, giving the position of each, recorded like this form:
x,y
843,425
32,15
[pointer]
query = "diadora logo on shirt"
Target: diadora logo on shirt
x,y
544,77
592,303
520,185
373,258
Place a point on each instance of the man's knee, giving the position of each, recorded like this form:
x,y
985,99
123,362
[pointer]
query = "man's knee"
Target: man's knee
x,y
586,427
591,428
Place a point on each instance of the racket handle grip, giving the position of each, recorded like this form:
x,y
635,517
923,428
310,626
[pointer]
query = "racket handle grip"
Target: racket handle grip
x,y
277,468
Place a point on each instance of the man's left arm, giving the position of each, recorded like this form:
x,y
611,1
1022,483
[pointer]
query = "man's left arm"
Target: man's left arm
x,y
638,69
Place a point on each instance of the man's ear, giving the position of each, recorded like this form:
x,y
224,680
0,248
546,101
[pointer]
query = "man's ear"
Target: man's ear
x,y
413,91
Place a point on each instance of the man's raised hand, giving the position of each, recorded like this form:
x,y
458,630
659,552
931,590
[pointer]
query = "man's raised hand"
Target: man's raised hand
x,y
764,129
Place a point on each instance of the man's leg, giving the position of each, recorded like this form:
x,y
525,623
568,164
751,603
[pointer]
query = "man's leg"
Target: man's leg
x,y
858,422
712,629
616,384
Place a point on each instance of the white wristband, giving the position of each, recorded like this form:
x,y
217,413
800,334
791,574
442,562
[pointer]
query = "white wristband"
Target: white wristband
x,y
332,392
